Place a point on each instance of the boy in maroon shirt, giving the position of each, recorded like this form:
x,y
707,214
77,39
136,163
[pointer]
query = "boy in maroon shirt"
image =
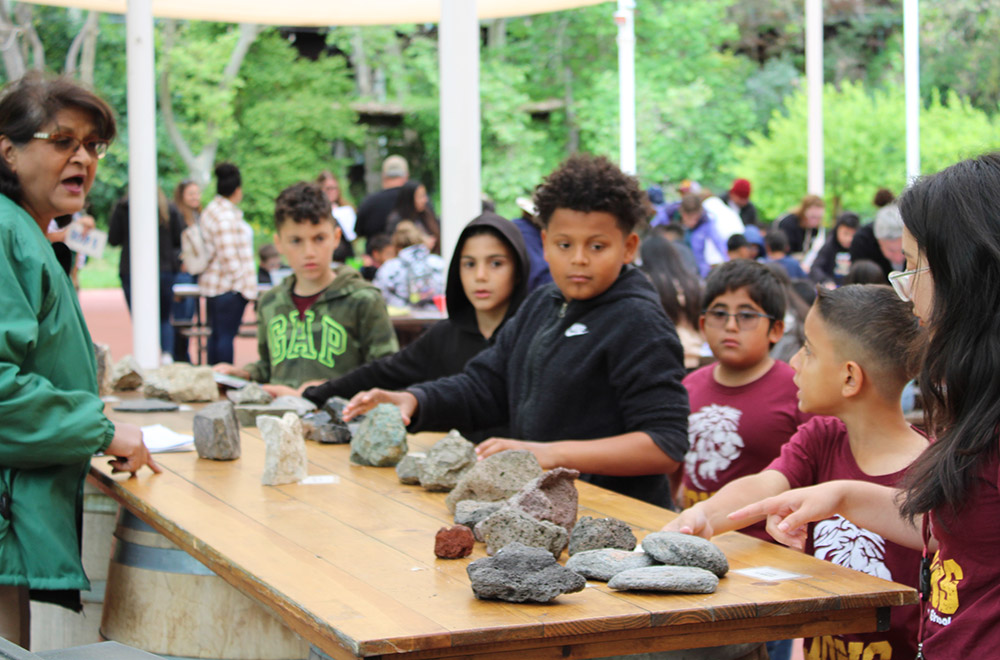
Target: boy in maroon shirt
x,y
850,367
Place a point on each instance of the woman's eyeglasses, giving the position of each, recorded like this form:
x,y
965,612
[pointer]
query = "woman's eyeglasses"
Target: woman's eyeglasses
x,y
902,282
68,144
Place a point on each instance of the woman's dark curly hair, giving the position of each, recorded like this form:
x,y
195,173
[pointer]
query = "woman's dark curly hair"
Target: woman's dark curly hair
x,y
593,183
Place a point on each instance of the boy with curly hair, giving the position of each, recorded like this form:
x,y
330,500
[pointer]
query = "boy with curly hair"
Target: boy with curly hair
x,y
320,322
588,373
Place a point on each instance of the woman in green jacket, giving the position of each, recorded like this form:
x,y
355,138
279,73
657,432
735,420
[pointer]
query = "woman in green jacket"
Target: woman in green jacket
x,y
52,133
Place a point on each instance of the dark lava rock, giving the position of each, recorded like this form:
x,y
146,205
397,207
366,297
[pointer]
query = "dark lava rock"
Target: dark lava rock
x,y
520,574
676,549
454,542
509,525
604,564
596,533
676,579
216,432
322,428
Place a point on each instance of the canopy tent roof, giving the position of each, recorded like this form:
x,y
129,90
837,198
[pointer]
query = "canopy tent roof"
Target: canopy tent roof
x,y
322,12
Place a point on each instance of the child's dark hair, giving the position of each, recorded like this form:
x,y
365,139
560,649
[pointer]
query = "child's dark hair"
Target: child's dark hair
x,y
865,271
671,278
761,284
378,242
736,241
267,251
848,219
876,329
227,179
593,183
776,241
302,202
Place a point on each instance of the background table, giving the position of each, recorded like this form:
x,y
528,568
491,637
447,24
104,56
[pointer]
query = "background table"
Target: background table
x,y
350,567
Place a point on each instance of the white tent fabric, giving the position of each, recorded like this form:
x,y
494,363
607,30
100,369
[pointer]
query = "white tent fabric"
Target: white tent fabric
x,y
323,12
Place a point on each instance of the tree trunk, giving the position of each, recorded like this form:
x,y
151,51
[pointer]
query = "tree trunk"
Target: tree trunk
x,y
24,14
496,34
80,56
13,59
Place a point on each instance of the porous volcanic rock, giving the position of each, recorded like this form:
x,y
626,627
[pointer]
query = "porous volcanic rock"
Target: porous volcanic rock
x,y
551,497
596,533
446,462
251,393
454,542
509,525
520,574
495,478
605,563
322,428
676,579
408,469
677,549
381,439
471,512
181,382
216,432
285,457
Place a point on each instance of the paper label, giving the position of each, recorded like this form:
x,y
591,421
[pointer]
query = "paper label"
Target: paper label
x,y
768,573
320,479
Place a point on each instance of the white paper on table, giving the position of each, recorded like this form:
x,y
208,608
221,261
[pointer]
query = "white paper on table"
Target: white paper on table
x,y
159,439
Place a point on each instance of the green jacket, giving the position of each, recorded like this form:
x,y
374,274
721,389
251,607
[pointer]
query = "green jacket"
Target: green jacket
x,y
346,327
51,418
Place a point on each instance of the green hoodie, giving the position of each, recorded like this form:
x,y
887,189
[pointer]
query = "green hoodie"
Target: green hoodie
x,y
51,418
346,327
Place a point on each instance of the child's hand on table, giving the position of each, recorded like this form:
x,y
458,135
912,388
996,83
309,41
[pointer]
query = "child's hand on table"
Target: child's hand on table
x,y
691,521
362,402
545,452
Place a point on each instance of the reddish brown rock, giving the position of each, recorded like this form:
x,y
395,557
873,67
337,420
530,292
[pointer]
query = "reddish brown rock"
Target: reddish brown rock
x,y
454,542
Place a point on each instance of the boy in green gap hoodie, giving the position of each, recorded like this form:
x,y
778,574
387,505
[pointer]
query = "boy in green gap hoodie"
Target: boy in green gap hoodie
x,y
320,322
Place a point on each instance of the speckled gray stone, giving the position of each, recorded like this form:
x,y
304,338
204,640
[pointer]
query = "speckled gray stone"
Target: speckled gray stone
x,y
285,455
408,469
495,478
381,439
247,414
509,525
551,497
320,427
216,432
606,563
446,462
471,512
334,406
521,574
675,579
296,403
181,382
126,375
676,549
251,393
596,533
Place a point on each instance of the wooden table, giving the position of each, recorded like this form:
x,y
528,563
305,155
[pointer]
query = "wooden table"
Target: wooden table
x,y
413,323
350,567
197,328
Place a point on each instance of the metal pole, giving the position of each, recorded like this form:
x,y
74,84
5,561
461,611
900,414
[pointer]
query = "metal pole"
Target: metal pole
x,y
911,76
814,85
625,18
461,165
143,232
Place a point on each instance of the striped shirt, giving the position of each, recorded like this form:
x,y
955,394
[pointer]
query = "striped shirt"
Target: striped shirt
x,y
232,265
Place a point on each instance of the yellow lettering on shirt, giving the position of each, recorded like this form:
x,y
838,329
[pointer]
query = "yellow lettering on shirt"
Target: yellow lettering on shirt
x,y
945,576
834,648
692,497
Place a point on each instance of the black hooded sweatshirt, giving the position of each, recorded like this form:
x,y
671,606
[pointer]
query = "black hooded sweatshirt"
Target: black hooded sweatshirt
x,y
446,347
576,370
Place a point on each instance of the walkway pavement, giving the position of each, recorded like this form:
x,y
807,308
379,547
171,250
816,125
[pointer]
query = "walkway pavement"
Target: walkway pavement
x,y
109,323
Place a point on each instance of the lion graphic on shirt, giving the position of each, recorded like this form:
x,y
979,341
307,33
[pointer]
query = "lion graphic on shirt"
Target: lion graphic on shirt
x,y
840,541
715,444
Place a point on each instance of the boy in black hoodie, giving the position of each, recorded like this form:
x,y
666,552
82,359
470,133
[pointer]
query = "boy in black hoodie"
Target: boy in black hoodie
x,y
487,282
588,374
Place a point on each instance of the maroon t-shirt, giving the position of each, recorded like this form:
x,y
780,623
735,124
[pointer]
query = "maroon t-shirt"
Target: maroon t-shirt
x,y
963,615
736,431
302,303
820,452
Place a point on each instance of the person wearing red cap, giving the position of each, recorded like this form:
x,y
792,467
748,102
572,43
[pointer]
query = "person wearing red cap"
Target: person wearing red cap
x,y
738,199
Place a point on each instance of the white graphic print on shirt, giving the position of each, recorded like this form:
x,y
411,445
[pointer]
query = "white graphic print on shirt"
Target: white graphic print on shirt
x,y
715,443
840,541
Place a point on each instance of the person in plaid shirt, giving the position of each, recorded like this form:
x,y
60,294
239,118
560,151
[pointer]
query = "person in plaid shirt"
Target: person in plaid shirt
x,y
230,279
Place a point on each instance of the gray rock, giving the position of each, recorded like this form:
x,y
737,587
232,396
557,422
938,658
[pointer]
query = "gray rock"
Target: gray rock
x,y
605,563
676,549
408,469
247,414
181,382
676,579
471,512
381,439
298,404
551,497
446,462
596,533
216,432
285,456
251,393
521,574
126,375
334,407
102,352
495,478
322,428
509,525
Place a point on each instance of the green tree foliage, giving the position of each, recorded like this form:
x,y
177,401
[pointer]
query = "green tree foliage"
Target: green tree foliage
x,y
865,145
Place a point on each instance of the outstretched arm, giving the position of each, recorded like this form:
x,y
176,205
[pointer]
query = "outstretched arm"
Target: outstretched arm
x,y
625,455
865,504
711,516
